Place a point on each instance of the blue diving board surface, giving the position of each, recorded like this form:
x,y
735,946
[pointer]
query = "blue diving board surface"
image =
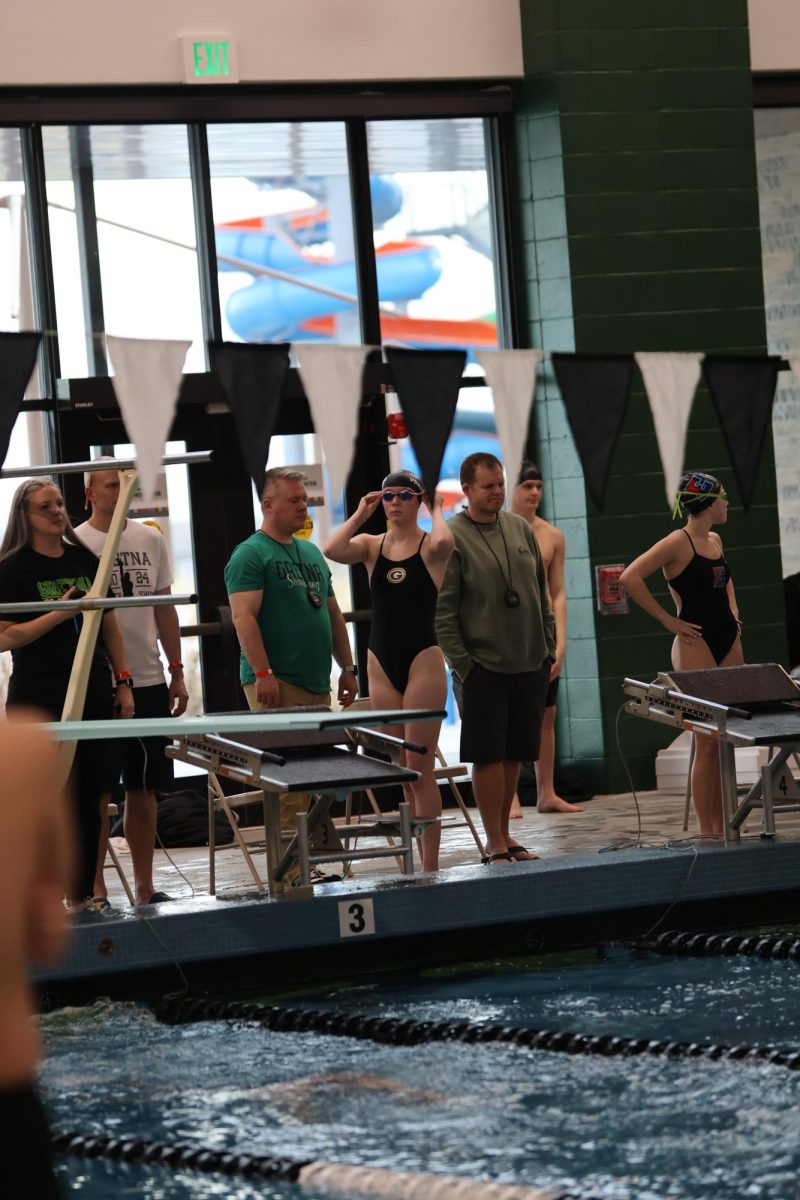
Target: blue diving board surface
x,y
460,915
222,723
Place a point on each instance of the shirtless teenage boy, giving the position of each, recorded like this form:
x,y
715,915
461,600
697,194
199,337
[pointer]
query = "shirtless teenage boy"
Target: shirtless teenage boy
x,y
34,872
525,502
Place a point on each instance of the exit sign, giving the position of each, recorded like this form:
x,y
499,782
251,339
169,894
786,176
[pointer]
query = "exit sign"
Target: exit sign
x,y
209,58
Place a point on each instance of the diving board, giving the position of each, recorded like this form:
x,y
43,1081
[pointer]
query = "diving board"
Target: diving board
x,y
278,722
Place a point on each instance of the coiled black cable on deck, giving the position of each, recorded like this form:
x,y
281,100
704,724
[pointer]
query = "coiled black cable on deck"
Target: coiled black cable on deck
x,y
393,1032
701,945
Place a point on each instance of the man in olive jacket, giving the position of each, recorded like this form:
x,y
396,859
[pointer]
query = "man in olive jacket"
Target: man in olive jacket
x,y
497,632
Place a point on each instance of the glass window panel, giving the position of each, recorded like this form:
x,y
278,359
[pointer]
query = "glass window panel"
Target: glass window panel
x,y
435,256
16,294
284,229
145,238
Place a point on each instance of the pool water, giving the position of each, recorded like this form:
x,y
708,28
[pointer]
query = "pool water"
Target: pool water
x,y
618,1128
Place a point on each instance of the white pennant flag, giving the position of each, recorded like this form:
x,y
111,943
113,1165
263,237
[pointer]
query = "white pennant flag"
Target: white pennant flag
x,y
331,377
511,374
671,380
147,376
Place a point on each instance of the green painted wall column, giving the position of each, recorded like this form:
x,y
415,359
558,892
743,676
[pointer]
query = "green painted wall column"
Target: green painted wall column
x,y
639,230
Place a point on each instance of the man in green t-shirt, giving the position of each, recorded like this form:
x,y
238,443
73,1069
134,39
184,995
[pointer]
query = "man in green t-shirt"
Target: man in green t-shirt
x,y
286,615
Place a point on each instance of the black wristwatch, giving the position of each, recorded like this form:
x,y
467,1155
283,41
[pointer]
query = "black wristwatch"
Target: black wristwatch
x,y
123,681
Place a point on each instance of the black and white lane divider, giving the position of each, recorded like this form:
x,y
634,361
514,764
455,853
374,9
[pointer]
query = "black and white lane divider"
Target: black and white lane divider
x,y
341,1179
395,1032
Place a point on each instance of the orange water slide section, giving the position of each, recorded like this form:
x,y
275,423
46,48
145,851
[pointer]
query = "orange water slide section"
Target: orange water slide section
x,y
419,330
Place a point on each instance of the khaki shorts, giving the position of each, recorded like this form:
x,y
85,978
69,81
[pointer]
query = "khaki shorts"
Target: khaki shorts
x,y
292,803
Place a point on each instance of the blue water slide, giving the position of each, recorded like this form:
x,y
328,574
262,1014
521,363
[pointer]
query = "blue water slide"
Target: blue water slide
x,y
266,250
260,249
387,199
273,309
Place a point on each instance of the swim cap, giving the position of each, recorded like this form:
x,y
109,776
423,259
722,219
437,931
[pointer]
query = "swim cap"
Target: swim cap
x,y
697,491
529,471
403,479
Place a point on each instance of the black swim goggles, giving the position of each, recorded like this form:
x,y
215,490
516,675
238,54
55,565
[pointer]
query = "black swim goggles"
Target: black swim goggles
x,y
405,495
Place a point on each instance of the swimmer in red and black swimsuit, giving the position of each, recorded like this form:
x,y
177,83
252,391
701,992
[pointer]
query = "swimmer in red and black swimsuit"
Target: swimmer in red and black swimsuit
x,y
405,666
707,626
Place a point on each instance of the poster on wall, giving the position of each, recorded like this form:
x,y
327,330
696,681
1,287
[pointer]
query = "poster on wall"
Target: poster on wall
x,y
778,157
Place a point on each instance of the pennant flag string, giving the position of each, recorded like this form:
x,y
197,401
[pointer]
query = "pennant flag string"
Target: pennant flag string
x,y
252,375
595,392
147,378
670,381
594,388
427,383
332,381
511,374
17,359
743,391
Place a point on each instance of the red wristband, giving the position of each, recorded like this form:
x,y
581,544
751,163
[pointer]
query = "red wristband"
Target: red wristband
x,y
264,673
122,675
176,665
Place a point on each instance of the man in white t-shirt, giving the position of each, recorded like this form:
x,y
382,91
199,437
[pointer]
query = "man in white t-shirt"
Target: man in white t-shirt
x,y
142,568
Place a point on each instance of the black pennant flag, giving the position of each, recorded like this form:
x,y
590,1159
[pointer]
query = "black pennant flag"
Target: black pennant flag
x,y
743,391
595,390
17,359
252,376
427,383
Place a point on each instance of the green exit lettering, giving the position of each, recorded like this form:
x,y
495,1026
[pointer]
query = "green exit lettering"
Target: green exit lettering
x,y
211,58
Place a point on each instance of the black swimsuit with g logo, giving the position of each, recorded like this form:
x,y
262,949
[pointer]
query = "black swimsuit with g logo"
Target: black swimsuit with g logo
x,y
702,586
403,613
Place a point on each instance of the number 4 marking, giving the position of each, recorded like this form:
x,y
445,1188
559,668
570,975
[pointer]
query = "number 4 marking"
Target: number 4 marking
x,y
786,785
356,917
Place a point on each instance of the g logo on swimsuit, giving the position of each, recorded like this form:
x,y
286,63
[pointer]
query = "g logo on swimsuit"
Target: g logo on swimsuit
x,y
396,575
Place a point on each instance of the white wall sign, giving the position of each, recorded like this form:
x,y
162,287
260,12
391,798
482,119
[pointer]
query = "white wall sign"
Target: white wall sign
x,y
312,478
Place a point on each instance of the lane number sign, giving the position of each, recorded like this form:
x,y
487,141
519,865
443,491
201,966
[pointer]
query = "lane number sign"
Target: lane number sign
x,y
356,917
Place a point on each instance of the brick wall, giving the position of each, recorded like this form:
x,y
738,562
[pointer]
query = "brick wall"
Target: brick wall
x,y
638,211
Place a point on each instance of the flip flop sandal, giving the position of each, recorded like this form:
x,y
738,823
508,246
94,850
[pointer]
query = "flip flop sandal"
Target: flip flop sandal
x,y
515,851
502,856
159,898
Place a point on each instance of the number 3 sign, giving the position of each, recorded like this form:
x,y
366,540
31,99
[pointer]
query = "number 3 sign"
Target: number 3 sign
x,y
356,917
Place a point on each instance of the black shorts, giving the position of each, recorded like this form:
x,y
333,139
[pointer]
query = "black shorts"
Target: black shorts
x,y
25,1145
95,760
501,719
141,762
552,692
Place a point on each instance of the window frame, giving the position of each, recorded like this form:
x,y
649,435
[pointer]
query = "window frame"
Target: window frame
x,y
355,105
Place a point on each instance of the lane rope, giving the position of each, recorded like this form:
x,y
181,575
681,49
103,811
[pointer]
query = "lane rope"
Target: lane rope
x,y
395,1032
343,1179
678,942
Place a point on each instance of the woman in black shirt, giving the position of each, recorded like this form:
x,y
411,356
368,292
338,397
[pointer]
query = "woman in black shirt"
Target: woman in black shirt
x,y
42,559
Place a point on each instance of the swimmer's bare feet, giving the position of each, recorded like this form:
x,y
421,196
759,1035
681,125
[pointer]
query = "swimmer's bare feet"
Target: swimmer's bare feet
x,y
556,804
516,813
